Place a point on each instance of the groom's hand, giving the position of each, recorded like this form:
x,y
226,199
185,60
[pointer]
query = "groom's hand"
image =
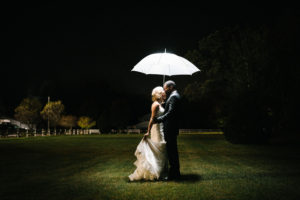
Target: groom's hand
x,y
157,120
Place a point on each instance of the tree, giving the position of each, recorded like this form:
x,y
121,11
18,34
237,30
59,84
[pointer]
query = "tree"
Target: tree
x,y
67,121
233,63
28,111
86,122
250,80
53,110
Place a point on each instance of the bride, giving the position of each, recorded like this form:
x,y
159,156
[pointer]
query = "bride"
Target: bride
x,y
152,162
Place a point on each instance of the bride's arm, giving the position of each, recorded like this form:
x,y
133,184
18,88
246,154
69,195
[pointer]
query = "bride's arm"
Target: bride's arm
x,y
154,109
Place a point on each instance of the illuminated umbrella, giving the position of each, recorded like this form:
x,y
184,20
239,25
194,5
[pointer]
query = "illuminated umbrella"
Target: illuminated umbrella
x,y
166,64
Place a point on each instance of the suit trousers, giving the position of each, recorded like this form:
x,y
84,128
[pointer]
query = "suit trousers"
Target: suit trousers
x,y
173,157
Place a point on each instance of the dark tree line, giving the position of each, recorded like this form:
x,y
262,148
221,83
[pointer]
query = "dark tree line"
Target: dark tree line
x,y
249,82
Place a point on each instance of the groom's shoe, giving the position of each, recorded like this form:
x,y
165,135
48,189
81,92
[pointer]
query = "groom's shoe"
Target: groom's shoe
x,y
166,178
170,178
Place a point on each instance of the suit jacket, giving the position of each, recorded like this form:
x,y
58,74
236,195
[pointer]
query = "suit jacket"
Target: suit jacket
x,y
171,116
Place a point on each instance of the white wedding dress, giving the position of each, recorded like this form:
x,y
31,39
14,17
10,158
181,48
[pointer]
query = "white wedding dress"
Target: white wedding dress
x,y
152,162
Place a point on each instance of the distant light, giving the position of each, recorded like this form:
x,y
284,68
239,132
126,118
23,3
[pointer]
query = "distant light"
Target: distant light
x,y
4,121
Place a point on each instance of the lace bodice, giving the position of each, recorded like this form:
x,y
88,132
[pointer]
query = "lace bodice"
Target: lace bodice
x,y
160,111
156,132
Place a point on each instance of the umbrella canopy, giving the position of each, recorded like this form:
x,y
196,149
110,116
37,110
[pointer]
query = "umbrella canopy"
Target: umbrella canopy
x,y
165,64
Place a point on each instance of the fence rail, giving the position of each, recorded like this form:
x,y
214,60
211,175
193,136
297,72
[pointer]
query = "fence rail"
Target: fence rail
x,y
54,132
44,132
200,131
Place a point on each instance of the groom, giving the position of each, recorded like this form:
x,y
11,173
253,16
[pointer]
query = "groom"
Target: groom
x,y
170,120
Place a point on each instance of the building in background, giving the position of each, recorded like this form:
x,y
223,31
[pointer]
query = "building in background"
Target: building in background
x,y
4,120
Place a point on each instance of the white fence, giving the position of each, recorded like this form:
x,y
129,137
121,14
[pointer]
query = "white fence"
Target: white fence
x,y
44,132
200,131
181,131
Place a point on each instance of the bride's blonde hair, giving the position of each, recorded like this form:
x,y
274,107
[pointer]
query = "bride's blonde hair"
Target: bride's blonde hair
x,y
157,93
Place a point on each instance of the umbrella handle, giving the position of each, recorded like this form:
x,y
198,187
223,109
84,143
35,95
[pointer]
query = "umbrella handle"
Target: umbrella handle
x,y
164,75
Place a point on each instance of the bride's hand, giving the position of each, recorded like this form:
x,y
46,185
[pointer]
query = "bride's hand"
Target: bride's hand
x,y
146,134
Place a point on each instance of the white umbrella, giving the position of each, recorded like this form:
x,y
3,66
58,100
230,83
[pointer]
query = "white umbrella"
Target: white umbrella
x,y
167,64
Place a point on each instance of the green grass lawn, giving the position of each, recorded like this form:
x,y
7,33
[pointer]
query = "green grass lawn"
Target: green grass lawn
x,y
96,167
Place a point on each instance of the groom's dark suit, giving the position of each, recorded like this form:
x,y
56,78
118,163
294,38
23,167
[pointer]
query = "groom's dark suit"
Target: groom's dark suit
x,y
170,120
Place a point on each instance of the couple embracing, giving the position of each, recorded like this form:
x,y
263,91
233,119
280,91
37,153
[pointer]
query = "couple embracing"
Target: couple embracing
x,y
158,148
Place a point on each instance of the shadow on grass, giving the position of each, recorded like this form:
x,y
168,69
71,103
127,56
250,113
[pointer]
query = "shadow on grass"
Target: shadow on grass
x,y
192,178
189,178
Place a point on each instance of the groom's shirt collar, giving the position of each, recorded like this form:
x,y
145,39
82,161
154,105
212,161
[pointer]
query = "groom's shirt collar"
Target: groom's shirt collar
x,y
173,92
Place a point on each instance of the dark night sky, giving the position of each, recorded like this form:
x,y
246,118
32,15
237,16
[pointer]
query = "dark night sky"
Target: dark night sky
x,y
71,43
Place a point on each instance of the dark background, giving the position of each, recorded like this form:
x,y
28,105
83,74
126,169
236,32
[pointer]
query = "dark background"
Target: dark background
x,y
82,54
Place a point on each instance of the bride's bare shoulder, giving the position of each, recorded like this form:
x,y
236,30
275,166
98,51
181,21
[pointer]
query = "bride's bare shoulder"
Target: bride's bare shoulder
x,y
155,105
